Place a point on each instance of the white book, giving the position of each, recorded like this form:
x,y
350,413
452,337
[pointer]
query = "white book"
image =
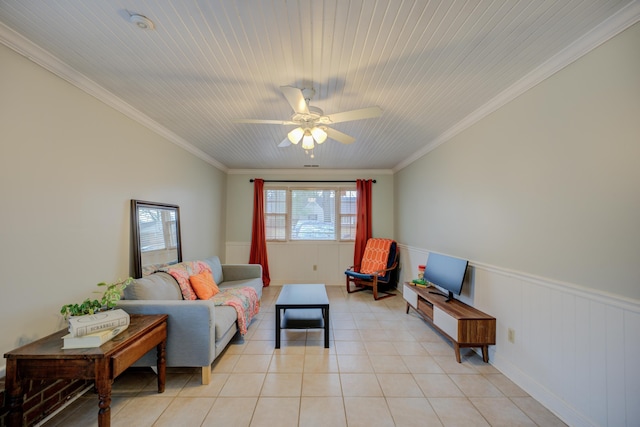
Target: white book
x,y
110,319
95,339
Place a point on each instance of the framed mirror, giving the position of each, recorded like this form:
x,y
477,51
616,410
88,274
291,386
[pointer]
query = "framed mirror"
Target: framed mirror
x,y
155,230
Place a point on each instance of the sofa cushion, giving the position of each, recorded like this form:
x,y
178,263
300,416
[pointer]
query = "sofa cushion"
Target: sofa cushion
x,y
157,286
216,269
226,317
256,284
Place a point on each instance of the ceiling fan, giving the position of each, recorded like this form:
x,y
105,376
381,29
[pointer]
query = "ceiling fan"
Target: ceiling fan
x,y
312,124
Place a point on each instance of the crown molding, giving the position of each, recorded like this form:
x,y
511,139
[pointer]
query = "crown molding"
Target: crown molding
x,y
36,54
608,29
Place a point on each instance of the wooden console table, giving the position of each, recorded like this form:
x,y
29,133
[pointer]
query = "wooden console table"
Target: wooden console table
x,y
462,324
45,359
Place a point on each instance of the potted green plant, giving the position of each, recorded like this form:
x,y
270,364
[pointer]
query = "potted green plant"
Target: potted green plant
x,y
109,299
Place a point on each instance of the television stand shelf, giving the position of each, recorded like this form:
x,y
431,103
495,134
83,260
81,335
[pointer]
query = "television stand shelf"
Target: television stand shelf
x,y
462,324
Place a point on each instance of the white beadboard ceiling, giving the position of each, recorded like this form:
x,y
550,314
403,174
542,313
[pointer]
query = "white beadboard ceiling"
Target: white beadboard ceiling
x,y
434,67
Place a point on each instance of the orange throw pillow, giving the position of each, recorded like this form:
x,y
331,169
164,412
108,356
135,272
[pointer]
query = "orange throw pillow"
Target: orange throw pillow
x,y
203,285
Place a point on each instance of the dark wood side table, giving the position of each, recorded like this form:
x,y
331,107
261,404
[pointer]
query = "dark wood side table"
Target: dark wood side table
x,y
45,359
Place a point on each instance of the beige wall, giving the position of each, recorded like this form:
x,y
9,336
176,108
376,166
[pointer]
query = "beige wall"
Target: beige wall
x,y
69,166
548,185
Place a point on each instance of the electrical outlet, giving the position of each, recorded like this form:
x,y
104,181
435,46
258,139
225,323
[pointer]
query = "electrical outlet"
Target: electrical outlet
x,y
511,335
315,267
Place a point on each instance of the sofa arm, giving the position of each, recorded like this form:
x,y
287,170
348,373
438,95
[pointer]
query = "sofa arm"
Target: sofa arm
x,y
232,272
190,330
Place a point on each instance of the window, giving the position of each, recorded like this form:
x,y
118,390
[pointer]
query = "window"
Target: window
x,y
326,213
348,215
275,220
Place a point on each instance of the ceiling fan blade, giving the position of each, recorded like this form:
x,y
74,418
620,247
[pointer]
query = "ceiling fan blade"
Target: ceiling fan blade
x,y
295,98
285,143
265,122
342,138
363,113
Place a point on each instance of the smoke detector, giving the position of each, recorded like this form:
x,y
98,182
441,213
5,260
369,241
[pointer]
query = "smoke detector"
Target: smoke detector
x,y
142,22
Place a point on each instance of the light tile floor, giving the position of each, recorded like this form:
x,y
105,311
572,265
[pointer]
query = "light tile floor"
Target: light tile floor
x,y
384,368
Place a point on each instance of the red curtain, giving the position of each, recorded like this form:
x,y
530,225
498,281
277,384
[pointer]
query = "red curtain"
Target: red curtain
x,y
258,253
363,218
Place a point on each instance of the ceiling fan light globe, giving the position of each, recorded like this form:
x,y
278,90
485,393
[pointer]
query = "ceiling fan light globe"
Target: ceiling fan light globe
x,y
295,135
307,142
319,135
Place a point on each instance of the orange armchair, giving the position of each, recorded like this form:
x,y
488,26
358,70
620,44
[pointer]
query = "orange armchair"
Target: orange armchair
x,y
378,268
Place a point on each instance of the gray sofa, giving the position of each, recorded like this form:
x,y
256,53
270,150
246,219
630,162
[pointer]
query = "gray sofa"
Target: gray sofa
x,y
198,331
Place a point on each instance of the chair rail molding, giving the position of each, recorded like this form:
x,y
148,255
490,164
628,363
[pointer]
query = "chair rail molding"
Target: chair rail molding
x,y
574,289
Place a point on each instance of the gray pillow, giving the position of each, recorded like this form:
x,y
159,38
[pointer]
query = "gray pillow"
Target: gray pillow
x,y
216,269
156,286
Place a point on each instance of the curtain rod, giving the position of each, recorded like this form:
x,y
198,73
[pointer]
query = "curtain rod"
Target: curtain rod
x,y
296,180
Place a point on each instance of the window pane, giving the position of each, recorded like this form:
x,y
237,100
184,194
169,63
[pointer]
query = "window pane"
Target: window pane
x,y
348,202
313,214
348,215
276,201
347,227
276,214
275,227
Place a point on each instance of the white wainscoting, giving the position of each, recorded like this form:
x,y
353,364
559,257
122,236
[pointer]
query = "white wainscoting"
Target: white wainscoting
x,y
576,350
293,262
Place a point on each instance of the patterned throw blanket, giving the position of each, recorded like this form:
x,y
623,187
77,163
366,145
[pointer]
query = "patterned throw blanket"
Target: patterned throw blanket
x,y
244,300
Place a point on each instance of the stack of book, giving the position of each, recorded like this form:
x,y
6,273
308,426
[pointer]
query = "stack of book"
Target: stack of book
x,y
96,329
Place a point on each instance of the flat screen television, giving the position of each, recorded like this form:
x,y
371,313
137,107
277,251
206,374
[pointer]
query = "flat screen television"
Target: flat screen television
x,y
446,272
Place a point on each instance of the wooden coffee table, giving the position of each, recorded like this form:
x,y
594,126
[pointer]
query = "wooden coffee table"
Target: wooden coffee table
x,y
302,307
45,359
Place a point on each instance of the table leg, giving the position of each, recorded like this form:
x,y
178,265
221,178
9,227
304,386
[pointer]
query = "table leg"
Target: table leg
x,y
162,365
456,347
326,328
485,353
277,327
13,386
103,387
